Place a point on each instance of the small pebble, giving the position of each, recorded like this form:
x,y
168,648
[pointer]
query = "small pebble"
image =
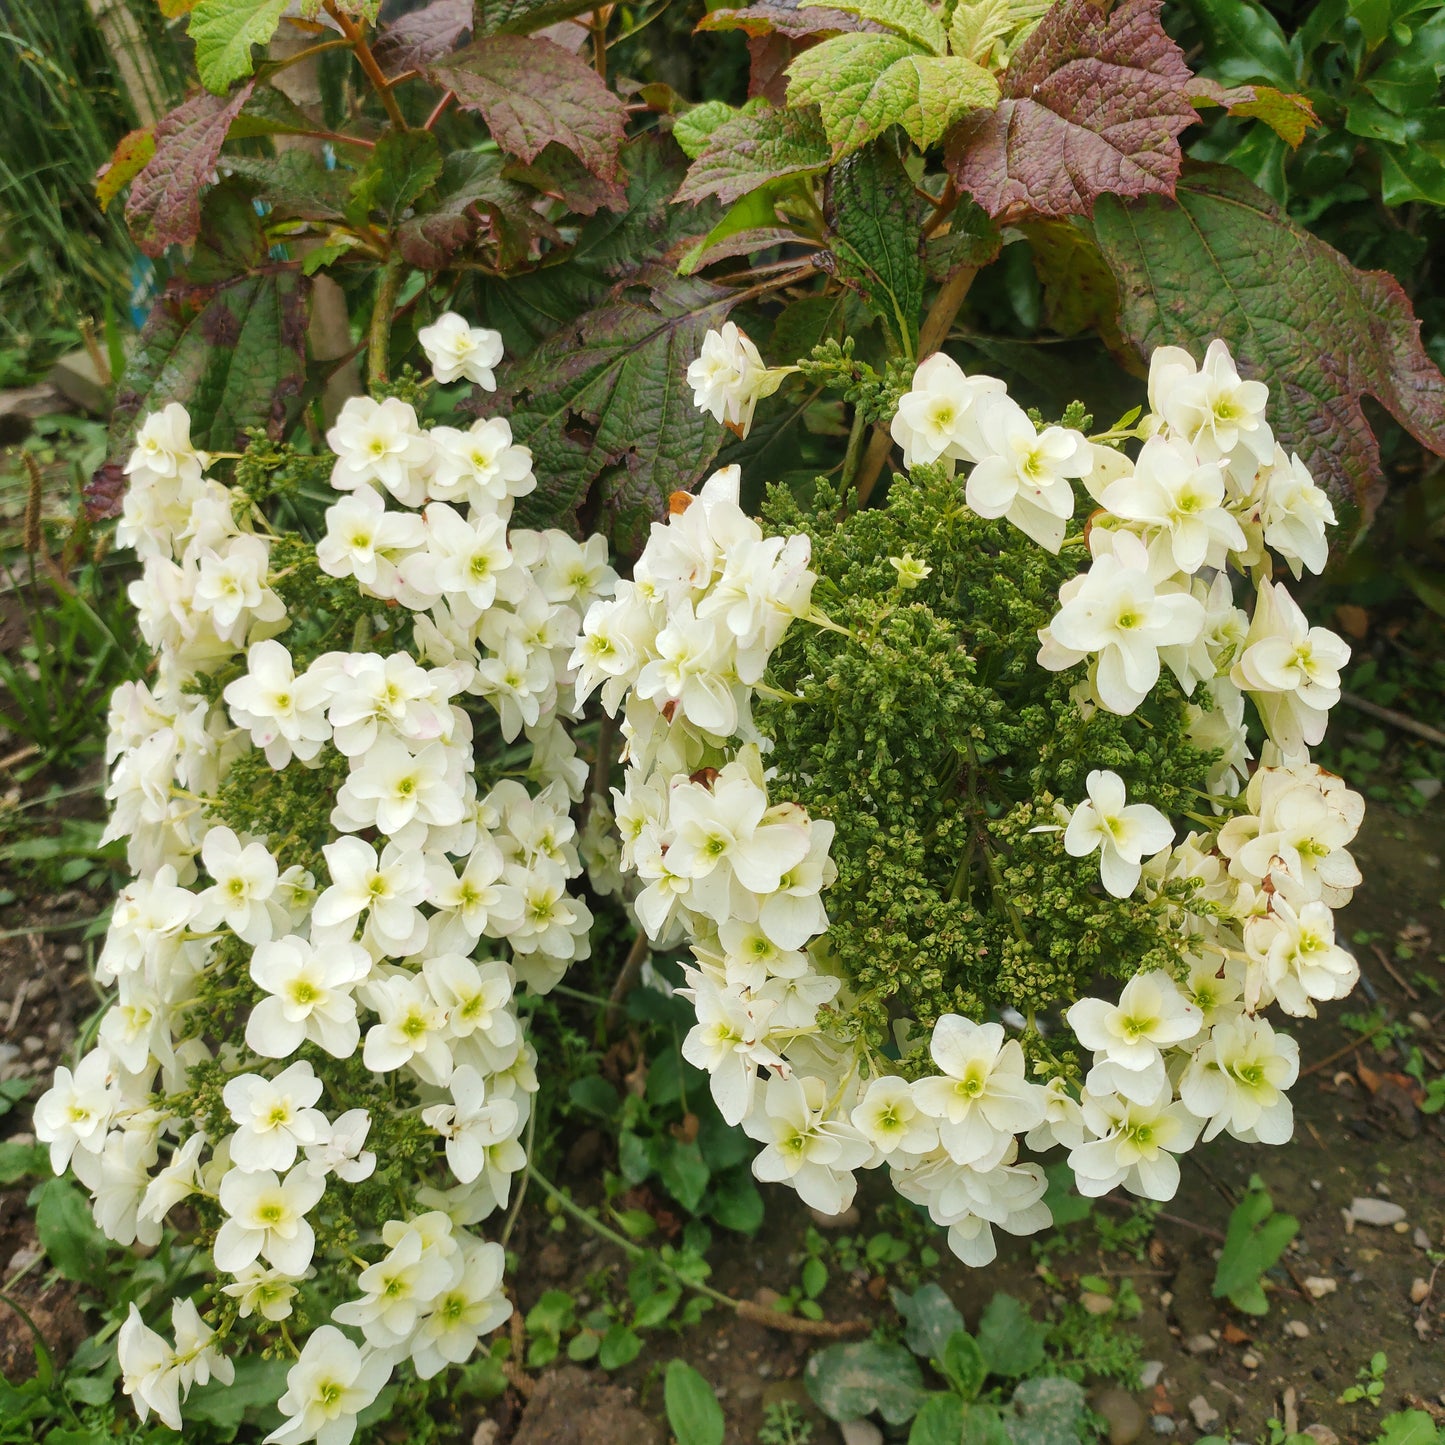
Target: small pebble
x,y
1096,1304
1319,1285
486,1433
1205,1415
861,1432
1201,1344
73,953
1298,1328
1381,1213
1121,1411
1150,1372
1419,1290
1419,1020
24,1257
1420,1239
1249,1360
32,1043
1322,1435
1162,1425
850,1218
1401,1227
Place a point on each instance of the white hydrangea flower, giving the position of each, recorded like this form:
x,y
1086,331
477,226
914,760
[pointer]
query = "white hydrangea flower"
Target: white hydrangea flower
x,y
728,378
266,1217
327,1388
1122,833
262,1291
1135,1144
274,1117
381,441
458,350
309,996
1236,1081
937,416
813,1153
1151,1015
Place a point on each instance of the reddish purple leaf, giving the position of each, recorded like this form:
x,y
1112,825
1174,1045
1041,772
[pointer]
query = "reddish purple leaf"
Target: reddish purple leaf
x,y
533,94
1092,104
415,41
165,199
1223,260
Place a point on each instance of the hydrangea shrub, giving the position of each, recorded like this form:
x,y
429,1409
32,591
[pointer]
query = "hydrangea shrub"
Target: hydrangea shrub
x,y
346,793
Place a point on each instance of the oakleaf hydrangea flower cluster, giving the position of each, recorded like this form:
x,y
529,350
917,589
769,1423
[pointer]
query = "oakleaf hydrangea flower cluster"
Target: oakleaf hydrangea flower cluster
x,y
346,794
910,783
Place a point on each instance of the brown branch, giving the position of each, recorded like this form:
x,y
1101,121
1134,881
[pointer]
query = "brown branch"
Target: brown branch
x,y
772,1319
627,979
1395,719
379,83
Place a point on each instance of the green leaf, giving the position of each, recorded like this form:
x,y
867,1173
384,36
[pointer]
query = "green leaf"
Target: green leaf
x,y
693,1412
12,1091
224,31
295,184
532,94
656,1307
976,25
754,149
552,1314
132,154
525,17
594,1094
1011,1340
67,1232
876,215
695,125
684,1173
927,96
1048,1410
164,207
815,1276
850,1381
602,403
736,1203
584,1346
399,170
1411,173
256,1388
23,1161
843,77
1225,261
755,214
1254,1241
939,1421
620,1346
1244,42
1409,1427
963,1364
1287,114
930,1319
227,342
913,19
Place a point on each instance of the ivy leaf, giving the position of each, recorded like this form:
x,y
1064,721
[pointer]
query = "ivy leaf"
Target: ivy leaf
x,y
1287,114
132,154
927,94
403,165
782,17
603,405
848,1382
912,19
532,94
843,77
223,32
754,149
1226,261
876,215
412,42
1093,104
164,208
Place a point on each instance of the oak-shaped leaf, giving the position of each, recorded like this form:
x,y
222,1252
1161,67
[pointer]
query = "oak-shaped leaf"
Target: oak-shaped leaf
x,y
412,42
1093,104
132,154
1223,260
294,183
224,31
844,78
760,145
874,217
164,208
1288,114
402,166
227,339
525,17
915,20
605,408
783,17
474,192
558,173
533,94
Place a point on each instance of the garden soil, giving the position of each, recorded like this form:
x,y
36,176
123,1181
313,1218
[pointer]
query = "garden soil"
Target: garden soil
x,y
1349,1289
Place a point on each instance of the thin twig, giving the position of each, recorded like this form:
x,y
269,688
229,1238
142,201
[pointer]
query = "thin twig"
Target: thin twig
x,y
378,347
379,83
1390,968
1349,1048
744,1309
1395,719
627,979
